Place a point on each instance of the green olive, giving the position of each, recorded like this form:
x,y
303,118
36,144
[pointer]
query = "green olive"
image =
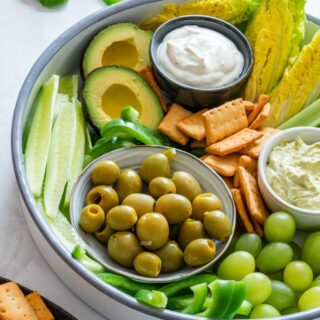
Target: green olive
x,y
205,202
186,184
199,252
171,257
142,203
92,217
104,234
123,247
128,182
147,264
160,186
152,230
156,165
175,207
103,196
105,172
121,218
217,224
189,231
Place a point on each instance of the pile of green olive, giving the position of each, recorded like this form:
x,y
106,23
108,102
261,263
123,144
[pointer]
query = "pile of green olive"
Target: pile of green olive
x,y
154,232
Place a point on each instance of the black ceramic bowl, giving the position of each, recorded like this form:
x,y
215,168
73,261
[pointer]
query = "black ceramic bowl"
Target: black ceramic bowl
x,y
192,97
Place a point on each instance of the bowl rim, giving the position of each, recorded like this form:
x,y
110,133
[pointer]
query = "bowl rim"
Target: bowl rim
x,y
29,202
262,164
214,21
172,276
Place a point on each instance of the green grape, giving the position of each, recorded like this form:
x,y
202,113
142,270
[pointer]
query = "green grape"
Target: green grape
x,y
310,299
311,252
264,311
280,227
274,257
249,242
53,3
296,251
298,275
236,266
282,296
316,282
259,287
290,310
276,275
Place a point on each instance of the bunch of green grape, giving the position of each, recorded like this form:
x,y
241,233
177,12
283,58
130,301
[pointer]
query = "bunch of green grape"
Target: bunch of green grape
x,y
58,3
282,278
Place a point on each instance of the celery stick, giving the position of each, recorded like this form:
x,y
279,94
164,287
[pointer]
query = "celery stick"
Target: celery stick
x,y
309,116
68,85
37,149
60,158
78,151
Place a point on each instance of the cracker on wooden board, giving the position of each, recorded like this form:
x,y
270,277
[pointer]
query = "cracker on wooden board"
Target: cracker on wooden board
x,y
147,75
224,120
228,181
250,164
241,210
234,143
226,165
262,100
168,125
198,144
253,149
261,117
13,304
249,186
258,229
38,305
248,105
193,126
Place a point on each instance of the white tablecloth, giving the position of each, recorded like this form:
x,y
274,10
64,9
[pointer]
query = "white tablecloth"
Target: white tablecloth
x,y
26,29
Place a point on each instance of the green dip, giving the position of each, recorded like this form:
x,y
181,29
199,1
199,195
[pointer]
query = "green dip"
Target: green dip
x,y
293,172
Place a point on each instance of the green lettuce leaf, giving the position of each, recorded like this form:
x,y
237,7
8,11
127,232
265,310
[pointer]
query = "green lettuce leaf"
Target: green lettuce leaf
x,y
233,11
275,32
299,87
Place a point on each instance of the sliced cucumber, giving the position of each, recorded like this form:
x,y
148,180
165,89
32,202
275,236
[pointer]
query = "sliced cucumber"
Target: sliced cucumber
x,y
80,254
38,144
78,151
68,85
60,158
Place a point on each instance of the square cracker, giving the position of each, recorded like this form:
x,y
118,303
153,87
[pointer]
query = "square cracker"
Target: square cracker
x,y
261,117
241,210
262,100
250,164
249,186
253,149
234,143
198,144
38,305
169,124
193,126
223,121
147,75
13,304
226,165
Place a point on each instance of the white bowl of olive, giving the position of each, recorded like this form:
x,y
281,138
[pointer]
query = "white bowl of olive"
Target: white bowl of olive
x,y
153,214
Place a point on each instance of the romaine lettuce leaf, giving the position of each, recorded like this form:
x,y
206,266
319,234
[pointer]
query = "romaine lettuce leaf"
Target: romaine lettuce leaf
x,y
275,32
233,11
299,87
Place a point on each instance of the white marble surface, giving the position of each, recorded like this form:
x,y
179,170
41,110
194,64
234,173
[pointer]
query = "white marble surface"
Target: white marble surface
x,y
26,29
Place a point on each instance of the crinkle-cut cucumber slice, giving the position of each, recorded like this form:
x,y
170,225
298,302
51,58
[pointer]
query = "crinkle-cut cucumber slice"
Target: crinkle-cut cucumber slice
x,y
60,158
68,85
38,143
78,150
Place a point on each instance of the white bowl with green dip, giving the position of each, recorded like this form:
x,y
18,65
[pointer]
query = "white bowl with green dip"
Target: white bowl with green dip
x,y
289,175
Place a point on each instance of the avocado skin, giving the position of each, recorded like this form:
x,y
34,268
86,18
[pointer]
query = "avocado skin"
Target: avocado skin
x,y
147,98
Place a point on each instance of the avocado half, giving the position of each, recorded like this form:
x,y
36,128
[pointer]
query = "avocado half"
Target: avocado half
x,y
108,89
123,44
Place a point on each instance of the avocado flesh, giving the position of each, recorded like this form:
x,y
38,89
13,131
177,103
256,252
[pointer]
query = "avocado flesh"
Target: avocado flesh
x,y
122,44
109,89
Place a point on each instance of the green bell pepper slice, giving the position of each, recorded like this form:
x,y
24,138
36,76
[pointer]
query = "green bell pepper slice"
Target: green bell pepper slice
x,y
200,292
226,298
152,297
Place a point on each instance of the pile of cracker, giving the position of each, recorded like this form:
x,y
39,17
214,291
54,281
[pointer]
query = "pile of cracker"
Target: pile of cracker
x,y
232,137
14,305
